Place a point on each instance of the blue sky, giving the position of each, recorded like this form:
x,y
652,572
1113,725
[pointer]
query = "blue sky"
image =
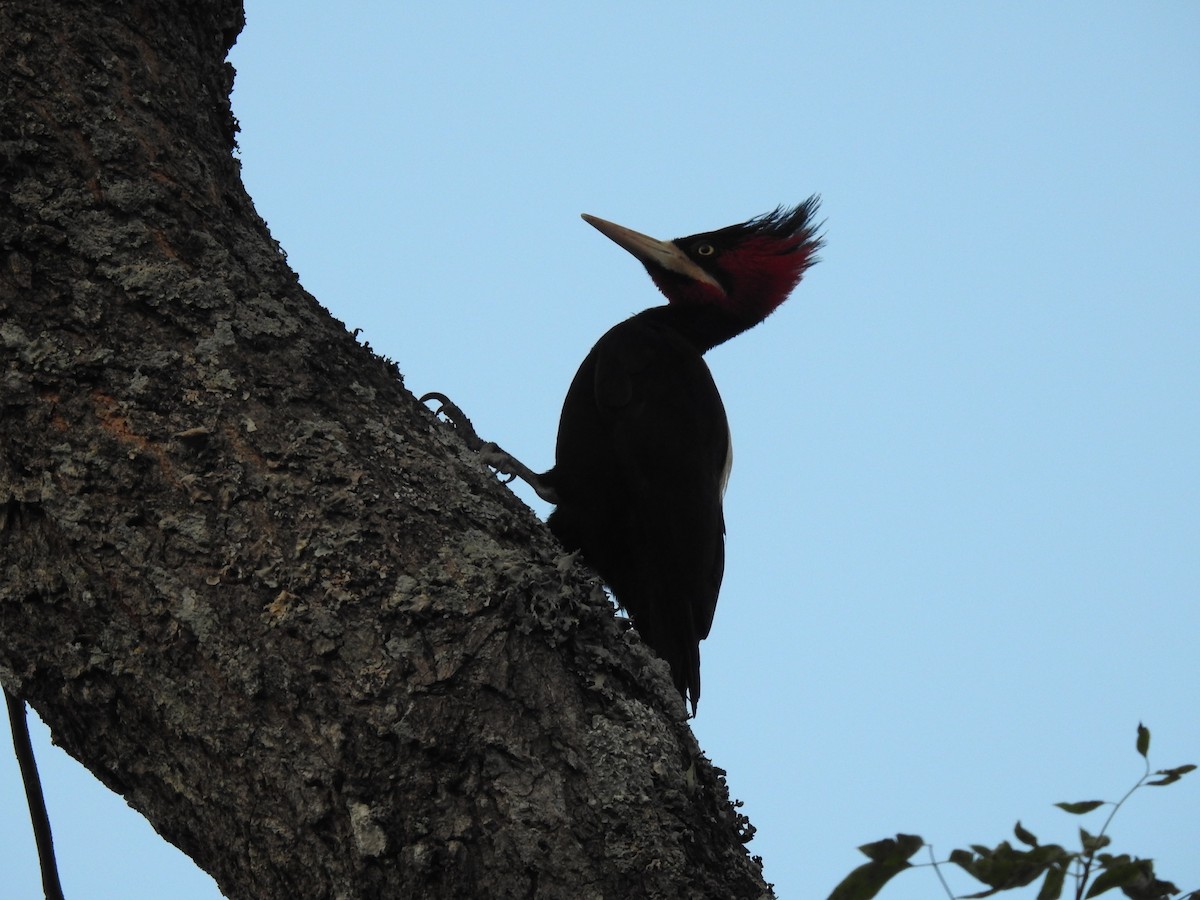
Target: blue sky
x,y
964,516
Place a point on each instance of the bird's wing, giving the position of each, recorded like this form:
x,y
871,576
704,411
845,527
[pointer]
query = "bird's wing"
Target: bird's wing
x,y
669,438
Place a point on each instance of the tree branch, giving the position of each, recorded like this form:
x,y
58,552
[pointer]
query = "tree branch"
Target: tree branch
x,y
249,581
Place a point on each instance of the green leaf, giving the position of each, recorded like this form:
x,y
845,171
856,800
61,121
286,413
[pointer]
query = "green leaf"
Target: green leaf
x,y
1170,776
866,881
1078,809
1093,842
1143,740
962,858
888,859
1135,878
901,847
1053,885
1004,868
1117,876
1024,836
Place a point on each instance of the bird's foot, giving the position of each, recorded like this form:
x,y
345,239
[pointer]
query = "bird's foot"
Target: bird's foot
x,y
490,453
456,417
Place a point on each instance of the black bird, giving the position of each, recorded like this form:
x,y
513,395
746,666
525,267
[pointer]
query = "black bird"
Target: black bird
x,y
643,443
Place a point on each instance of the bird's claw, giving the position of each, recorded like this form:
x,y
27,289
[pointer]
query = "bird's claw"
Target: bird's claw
x,y
456,417
490,454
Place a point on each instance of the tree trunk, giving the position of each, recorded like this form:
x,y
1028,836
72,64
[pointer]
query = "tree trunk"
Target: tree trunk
x,y
248,580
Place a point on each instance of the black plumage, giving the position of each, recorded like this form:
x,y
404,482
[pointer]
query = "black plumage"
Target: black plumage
x,y
644,449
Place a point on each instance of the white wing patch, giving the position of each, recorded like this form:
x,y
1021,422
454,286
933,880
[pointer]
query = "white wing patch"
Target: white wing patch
x,y
728,462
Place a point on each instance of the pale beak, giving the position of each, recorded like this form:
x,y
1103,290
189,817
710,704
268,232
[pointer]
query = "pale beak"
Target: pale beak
x,y
653,252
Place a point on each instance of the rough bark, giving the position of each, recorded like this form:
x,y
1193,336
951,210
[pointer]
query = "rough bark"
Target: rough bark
x,y
248,581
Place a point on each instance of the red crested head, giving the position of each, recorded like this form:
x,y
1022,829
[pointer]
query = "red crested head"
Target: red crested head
x,y
746,270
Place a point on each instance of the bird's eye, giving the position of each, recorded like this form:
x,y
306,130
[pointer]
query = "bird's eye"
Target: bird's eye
x,y
705,249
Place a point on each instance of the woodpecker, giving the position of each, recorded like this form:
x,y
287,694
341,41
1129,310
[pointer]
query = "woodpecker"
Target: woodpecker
x,y
644,450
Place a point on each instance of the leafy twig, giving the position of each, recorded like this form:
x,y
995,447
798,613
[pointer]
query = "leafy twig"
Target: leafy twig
x,y
1005,867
